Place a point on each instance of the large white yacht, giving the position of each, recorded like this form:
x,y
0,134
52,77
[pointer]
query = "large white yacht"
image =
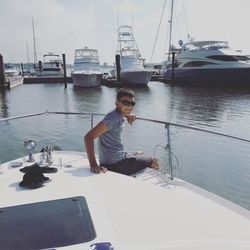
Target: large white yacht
x,y
132,69
87,70
51,200
208,62
52,65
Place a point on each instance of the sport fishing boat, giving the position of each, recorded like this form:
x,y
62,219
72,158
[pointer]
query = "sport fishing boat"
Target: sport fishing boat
x,y
132,69
51,200
209,63
87,70
52,65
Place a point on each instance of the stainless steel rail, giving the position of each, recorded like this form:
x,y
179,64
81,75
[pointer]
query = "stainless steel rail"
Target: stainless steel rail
x,y
21,116
138,118
167,126
194,128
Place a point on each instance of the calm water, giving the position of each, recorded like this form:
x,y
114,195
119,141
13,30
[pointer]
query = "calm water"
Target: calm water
x,y
218,164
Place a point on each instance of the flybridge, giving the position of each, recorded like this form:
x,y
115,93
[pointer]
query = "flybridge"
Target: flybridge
x,y
206,45
86,54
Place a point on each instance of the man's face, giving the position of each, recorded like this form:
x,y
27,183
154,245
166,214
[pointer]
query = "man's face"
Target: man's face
x,y
125,105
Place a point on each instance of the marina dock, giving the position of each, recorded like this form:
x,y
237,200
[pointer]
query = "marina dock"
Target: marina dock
x,y
8,81
37,79
14,81
113,82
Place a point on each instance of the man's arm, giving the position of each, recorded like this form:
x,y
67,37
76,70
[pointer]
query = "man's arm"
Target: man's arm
x,y
89,138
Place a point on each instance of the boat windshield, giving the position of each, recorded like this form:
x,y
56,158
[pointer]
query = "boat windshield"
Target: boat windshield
x,y
129,52
87,54
52,58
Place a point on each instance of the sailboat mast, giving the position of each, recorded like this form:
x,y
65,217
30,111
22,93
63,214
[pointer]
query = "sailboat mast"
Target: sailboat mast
x,y
132,15
27,48
34,41
170,28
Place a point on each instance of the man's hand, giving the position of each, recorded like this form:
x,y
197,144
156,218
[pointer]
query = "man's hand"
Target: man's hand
x,y
98,169
131,118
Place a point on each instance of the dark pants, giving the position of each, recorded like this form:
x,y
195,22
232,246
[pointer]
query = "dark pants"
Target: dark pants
x,y
129,166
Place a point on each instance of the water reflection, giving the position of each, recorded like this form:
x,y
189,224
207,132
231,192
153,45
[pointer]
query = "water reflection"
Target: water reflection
x,y
206,106
102,99
87,99
3,103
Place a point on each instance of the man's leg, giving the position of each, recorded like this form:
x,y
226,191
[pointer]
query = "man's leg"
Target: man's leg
x,y
133,165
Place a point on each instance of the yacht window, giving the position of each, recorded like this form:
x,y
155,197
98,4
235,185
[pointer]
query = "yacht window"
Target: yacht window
x,y
196,64
243,58
176,65
157,66
51,69
47,224
223,58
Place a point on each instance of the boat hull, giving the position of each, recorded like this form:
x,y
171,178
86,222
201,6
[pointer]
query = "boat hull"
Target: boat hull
x,y
86,80
140,78
51,73
220,76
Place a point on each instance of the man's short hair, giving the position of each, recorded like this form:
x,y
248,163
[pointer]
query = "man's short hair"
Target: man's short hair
x,y
125,92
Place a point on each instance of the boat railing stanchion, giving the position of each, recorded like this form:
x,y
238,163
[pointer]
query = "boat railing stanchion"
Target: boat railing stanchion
x,y
92,120
169,151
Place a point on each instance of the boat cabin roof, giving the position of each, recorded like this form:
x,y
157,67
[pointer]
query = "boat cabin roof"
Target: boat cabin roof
x,y
51,54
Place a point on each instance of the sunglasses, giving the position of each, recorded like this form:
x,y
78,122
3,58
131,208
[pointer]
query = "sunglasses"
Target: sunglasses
x,y
127,103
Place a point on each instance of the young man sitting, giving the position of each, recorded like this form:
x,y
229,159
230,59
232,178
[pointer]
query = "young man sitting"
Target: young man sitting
x,y
110,148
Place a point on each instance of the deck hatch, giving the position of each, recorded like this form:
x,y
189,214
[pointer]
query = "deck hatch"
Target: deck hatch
x,y
46,224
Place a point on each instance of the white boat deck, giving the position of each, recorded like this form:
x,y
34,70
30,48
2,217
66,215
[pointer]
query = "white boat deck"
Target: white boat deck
x,y
136,213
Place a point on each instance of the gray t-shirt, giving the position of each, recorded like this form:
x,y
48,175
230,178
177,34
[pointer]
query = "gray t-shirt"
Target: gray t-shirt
x,y
110,148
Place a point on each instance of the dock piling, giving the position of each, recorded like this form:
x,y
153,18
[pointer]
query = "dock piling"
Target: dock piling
x,y
40,67
64,71
2,74
22,71
173,63
118,67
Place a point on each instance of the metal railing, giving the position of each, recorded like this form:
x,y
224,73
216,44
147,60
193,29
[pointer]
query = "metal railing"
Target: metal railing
x,y
167,126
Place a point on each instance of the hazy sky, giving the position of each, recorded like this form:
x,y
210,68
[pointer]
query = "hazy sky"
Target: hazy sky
x,y
61,26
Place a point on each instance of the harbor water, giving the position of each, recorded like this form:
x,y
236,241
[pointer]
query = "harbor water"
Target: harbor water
x,y
216,163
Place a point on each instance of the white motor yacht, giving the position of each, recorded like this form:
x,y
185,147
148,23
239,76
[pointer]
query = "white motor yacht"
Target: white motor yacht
x,y
51,200
10,70
87,70
132,69
209,63
52,65
13,75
